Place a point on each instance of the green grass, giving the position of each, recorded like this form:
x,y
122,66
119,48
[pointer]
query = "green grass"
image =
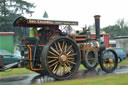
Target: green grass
x,y
101,80
20,71
16,71
124,62
81,67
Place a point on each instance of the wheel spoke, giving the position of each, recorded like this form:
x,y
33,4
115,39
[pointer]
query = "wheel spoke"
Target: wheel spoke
x,y
54,50
54,68
65,48
56,47
61,71
52,61
71,54
67,68
71,62
105,60
59,47
106,65
52,57
69,48
109,61
63,45
52,53
53,64
107,54
110,55
71,58
58,69
69,65
62,58
110,64
64,69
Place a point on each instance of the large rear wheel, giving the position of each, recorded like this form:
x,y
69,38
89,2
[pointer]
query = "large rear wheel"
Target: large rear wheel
x,y
61,58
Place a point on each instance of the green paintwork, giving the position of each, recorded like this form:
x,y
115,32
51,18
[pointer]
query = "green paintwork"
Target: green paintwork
x,y
7,43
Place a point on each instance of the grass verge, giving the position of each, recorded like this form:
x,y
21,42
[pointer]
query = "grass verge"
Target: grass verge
x,y
20,71
124,62
16,71
101,80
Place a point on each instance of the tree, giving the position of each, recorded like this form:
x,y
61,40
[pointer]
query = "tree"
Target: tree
x,y
119,29
121,23
45,15
9,11
113,30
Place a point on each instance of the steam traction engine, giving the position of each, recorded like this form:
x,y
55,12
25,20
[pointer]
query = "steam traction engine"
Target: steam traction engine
x,y
59,54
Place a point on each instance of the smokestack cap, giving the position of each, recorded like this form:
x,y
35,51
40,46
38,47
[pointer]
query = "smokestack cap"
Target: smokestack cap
x,y
97,16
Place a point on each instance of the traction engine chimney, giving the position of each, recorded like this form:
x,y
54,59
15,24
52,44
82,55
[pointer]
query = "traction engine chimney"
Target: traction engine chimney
x,y
97,26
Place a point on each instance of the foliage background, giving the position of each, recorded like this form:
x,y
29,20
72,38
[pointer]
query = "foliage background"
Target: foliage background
x,y
9,11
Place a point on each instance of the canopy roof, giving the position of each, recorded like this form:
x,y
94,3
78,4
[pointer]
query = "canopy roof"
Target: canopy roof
x,y
24,22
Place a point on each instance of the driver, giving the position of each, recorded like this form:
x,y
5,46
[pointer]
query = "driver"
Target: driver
x,y
34,33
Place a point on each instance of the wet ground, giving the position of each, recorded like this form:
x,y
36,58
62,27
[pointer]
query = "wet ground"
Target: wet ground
x,y
36,78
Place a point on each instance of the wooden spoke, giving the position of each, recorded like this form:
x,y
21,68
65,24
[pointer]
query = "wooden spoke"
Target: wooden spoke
x,y
54,50
71,62
110,55
61,71
105,60
53,64
63,45
67,68
104,63
59,47
64,69
52,60
58,68
56,47
52,53
52,57
69,65
61,58
107,64
65,48
69,48
107,54
54,68
113,61
71,54
71,58
110,65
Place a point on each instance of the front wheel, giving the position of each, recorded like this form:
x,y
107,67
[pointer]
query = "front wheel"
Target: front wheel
x,y
108,60
61,58
91,58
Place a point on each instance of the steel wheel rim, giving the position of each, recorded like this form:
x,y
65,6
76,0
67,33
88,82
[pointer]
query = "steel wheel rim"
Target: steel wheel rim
x,y
62,57
91,59
109,60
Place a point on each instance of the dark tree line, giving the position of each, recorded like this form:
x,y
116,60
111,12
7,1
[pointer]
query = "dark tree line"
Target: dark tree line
x,y
118,29
9,11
